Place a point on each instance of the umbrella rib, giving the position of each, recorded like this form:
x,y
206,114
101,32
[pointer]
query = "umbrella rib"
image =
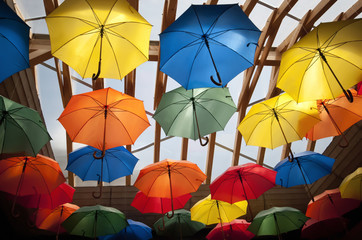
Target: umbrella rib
x,y
110,223
90,55
266,116
332,105
336,56
202,44
212,26
114,54
162,171
115,156
42,177
92,24
109,13
94,13
175,170
85,123
201,106
24,58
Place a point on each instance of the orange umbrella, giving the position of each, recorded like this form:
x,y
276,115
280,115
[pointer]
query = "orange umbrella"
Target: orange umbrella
x,y
336,115
22,176
169,179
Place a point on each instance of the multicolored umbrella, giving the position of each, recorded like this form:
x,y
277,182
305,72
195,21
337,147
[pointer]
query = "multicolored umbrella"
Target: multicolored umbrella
x,y
110,36
351,186
135,230
194,113
234,230
208,41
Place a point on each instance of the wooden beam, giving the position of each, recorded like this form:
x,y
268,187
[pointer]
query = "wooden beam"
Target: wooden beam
x,y
353,11
260,156
310,145
210,157
184,147
211,2
156,151
39,56
248,6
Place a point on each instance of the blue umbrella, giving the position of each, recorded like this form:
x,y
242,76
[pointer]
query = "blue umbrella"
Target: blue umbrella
x,y
305,168
208,41
14,42
117,162
135,231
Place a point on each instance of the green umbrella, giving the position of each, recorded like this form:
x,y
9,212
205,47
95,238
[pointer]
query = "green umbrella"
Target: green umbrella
x,y
277,220
94,221
194,113
180,225
21,129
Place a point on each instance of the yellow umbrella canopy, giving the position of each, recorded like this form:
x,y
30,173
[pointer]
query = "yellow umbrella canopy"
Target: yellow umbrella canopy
x,y
323,63
351,186
210,211
278,121
107,36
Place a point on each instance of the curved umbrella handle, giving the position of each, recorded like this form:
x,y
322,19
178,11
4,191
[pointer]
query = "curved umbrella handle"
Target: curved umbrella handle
x,y
163,224
100,157
217,83
346,142
172,213
100,193
348,95
205,143
14,212
95,76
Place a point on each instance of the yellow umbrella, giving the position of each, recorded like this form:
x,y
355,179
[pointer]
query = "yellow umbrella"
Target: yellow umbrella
x,y
278,121
351,186
210,211
323,63
86,33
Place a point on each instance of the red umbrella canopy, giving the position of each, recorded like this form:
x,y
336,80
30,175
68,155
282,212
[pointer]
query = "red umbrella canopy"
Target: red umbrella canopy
x,y
235,230
330,204
247,181
325,229
147,204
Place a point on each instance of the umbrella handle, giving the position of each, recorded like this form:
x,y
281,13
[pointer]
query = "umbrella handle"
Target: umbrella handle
x,y
14,212
205,143
95,76
172,213
100,157
217,83
163,224
348,95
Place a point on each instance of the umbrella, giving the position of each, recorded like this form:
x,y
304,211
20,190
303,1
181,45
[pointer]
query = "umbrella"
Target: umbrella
x,y
146,204
22,176
351,185
51,219
14,42
169,179
359,88
325,229
194,113
117,162
21,129
277,121
336,116
135,230
305,168
323,63
277,220
179,225
244,182
208,41
110,36
235,230
329,204
94,221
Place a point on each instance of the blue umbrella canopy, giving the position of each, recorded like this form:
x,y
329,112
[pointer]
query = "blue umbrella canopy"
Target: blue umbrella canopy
x,y
208,41
135,230
14,42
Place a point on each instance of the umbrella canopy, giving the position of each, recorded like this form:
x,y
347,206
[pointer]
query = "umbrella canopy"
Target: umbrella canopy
x,y
351,186
109,36
14,42
217,41
325,229
336,115
323,63
146,204
277,220
235,230
180,225
21,129
169,179
278,121
194,113
210,211
94,221
135,230
329,204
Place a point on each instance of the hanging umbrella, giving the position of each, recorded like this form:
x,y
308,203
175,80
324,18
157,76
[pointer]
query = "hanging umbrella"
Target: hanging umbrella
x,y
336,116
117,162
22,176
277,220
244,182
14,42
109,38
351,186
305,168
178,226
51,219
169,179
94,221
329,204
234,230
278,121
325,229
135,230
359,88
208,41
323,63
21,129
194,113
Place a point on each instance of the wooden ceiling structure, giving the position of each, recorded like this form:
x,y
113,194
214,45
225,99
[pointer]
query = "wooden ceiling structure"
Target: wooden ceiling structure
x,y
266,55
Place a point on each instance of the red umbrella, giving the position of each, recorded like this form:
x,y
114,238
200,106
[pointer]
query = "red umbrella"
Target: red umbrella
x,y
325,229
329,204
235,230
247,181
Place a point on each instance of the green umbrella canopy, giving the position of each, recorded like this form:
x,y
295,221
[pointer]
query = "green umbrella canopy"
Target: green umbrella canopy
x,y
21,129
179,225
182,112
94,221
277,220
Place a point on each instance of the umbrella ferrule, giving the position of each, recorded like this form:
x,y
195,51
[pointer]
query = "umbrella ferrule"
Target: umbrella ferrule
x,y
102,31
322,55
26,161
275,114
